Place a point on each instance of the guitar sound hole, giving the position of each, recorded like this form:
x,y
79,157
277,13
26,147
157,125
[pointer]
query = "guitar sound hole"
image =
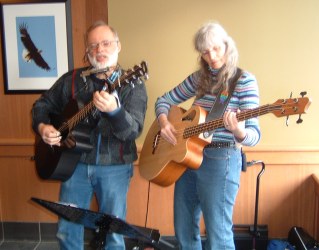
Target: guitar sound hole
x,y
190,116
187,118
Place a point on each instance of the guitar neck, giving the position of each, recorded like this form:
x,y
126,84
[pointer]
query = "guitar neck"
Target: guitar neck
x,y
219,123
77,118
125,78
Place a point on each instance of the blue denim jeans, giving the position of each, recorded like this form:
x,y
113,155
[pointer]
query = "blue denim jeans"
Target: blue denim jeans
x,y
110,185
210,190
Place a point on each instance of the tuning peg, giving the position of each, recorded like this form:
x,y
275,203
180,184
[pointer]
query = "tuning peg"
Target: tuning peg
x,y
139,81
299,120
303,93
287,119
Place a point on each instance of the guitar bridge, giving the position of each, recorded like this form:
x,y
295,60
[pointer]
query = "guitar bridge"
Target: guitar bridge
x,y
156,141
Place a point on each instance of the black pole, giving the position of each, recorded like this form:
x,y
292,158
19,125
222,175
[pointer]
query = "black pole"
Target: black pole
x,y
257,196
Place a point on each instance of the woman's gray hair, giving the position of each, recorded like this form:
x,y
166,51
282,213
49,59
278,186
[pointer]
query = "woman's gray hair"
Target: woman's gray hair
x,y
203,40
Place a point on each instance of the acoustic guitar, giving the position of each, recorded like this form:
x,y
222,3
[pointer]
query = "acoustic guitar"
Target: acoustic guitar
x,y
59,162
163,163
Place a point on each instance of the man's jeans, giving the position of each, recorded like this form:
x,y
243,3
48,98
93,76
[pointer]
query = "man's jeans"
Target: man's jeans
x,y
110,185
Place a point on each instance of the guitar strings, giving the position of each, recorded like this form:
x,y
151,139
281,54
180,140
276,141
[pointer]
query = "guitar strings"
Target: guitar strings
x,y
211,125
79,116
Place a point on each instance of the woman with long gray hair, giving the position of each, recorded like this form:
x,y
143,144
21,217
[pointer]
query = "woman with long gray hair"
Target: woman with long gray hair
x,y
211,189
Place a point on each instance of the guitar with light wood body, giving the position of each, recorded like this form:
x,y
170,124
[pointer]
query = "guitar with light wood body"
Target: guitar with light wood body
x,y
163,163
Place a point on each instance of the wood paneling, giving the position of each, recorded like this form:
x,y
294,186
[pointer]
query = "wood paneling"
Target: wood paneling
x,y
286,195
18,183
84,13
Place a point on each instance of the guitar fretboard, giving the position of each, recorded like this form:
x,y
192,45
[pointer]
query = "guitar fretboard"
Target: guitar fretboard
x,y
218,123
125,78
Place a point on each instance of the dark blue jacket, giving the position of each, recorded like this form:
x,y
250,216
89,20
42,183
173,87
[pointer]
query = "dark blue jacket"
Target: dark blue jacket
x,y
112,135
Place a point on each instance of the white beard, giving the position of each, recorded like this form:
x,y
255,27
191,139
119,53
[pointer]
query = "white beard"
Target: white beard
x,y
112,60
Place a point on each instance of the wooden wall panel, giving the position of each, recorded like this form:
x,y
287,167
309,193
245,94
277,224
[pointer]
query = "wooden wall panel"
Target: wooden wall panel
x,y
286,199
84,13
19,183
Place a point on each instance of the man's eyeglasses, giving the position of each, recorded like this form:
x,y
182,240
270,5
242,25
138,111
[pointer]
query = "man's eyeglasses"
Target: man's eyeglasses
x,y
104,44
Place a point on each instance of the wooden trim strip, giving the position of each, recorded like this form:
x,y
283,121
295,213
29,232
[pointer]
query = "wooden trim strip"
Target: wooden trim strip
x,y
279,155
16,142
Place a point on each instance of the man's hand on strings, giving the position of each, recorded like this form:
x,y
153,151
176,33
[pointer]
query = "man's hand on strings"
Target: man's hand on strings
x,y
104,102
49,134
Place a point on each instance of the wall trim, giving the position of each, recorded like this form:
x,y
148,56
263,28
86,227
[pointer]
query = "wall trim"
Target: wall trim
x,y
282,155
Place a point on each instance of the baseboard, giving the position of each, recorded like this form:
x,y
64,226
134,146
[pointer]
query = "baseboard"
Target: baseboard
x,y
46,232
32,231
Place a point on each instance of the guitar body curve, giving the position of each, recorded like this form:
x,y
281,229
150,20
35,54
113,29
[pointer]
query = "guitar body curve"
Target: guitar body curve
x,y
55,163
59,163
165,163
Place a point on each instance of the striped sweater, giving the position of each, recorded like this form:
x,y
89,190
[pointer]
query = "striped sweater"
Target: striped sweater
x,y
245,96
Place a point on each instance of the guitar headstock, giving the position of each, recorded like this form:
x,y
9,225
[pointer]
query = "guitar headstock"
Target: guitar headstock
x,y
291,106
136,73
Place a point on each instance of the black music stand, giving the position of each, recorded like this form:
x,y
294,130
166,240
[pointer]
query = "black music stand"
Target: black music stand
x,y
103,224
252,236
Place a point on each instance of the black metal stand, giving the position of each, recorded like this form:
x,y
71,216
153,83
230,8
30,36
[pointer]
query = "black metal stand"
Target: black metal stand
x,y
103,224
252,236
256,232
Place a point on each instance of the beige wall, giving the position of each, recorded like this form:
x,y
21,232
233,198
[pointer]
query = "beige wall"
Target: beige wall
x,y
278,41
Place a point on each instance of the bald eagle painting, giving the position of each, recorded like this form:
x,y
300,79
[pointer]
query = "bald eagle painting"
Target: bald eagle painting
x,y
31,52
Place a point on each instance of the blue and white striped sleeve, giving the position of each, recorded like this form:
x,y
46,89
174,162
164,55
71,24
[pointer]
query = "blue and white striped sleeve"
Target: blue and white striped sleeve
x,y
248,94
182,92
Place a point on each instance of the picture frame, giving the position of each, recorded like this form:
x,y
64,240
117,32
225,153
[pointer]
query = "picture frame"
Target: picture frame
x,y
36,45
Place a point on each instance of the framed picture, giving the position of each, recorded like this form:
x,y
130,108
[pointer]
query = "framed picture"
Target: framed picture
x,y
36,44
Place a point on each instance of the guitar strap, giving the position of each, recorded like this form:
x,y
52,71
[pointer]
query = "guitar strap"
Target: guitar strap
x,y
222,101
75,77
73,87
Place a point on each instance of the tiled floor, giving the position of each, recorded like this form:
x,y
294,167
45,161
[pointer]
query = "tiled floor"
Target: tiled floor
x,y
31,245
41,236
28,245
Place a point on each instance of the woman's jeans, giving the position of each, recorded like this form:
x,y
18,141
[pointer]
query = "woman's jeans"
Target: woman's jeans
x,y
212,190
110,185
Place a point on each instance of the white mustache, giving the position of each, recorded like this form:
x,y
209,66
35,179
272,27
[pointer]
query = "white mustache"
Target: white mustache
x,y
109,60
101,55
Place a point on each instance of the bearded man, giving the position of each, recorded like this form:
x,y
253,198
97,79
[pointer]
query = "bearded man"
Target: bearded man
x,y
116,121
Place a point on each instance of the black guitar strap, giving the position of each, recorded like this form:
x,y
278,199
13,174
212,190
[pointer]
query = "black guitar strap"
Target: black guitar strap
x,y
73,83
76,77
222,101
